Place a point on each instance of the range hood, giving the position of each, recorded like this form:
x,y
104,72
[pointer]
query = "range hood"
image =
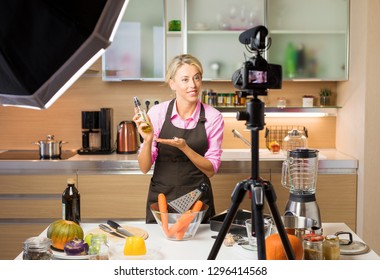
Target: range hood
x,y
45,45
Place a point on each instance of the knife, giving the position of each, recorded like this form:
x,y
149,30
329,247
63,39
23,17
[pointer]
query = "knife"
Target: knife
x,y
119,228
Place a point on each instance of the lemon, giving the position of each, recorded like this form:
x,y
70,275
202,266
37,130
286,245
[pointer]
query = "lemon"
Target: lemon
x,y
134,245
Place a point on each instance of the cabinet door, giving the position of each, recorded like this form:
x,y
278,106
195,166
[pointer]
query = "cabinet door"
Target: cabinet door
x,y
113,196
137,51
212,34
309,38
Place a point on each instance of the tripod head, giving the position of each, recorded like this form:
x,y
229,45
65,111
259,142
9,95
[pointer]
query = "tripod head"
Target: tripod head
x,y
254,114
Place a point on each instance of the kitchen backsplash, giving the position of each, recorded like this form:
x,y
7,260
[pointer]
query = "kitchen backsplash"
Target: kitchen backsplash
x,y
20,128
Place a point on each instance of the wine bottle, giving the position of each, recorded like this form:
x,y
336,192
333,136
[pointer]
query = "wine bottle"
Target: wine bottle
x,y
71,202
142,114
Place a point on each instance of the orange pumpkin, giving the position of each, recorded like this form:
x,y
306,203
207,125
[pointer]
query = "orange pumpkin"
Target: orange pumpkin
x,y
275,249
62,231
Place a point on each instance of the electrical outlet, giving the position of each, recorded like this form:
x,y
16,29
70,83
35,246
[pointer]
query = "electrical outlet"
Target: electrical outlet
x,y
147,104
156,101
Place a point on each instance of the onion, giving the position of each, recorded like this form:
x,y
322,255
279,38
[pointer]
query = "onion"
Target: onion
x,y
76,247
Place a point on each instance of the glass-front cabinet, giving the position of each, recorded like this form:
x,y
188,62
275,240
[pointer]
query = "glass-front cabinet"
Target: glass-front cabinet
x,y
212,34
309,38
138,49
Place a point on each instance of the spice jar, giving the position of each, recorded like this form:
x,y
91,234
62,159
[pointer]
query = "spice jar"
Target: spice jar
x,y
313,247
37,248
331,248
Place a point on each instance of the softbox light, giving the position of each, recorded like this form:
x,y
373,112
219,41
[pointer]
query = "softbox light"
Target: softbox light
x,y
45,45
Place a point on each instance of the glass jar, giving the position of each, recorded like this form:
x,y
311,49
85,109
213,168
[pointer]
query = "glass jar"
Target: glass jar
x,y
99,247
331,248
294,140
37,248
313,247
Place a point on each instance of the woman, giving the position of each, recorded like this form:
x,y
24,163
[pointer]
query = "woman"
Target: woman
x,y
185,142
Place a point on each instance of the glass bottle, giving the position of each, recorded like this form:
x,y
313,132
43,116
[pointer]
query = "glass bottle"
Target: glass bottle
x,y
331,248
99,247
71,202
143,115
37,248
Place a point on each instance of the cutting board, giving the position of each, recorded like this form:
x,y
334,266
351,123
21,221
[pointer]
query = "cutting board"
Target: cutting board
x,y
134,230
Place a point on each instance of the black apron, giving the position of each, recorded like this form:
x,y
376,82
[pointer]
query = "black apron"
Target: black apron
x,y
174,174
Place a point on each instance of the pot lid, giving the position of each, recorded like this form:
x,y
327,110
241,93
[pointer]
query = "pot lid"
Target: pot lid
x,y
49,139
350,246
355,248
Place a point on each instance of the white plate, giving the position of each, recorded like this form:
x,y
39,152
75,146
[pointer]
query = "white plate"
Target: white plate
x,y
116,252
63,256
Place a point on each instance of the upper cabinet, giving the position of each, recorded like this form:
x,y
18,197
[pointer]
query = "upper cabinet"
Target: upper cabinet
x,y
212,33
309,38
138,49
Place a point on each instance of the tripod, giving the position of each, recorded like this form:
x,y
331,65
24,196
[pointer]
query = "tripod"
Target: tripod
x,y
258,188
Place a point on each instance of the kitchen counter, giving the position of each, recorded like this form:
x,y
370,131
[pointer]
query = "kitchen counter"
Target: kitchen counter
x,y
199,247
233,161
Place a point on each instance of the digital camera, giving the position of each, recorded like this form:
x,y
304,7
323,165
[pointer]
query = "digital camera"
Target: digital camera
x,y
256,73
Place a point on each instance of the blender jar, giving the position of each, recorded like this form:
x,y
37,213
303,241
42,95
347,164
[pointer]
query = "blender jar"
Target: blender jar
x,y
299,171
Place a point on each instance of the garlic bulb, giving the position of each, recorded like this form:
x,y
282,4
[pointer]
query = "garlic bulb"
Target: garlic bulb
x,y
229,240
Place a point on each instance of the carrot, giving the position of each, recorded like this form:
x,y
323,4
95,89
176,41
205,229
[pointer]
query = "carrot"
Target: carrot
x,y
186,221
163,208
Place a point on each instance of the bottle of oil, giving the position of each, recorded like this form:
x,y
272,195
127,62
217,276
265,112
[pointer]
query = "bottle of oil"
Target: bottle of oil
x,y
143,115
71,202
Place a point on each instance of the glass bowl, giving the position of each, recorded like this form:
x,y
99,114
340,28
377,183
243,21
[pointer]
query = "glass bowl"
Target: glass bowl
x,y
179,226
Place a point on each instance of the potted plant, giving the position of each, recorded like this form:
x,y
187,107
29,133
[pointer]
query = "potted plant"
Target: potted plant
x,y
324,95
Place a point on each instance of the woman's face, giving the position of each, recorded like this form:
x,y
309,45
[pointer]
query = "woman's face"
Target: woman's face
x,y
187,83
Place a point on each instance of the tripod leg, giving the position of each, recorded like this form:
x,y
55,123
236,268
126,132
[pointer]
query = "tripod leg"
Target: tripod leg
x,y
258,218
271,198
236,198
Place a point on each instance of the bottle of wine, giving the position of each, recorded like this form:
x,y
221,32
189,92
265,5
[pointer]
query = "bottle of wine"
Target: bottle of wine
x,y
71,202
142,114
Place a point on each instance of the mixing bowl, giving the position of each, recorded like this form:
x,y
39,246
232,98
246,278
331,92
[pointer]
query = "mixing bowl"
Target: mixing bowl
x,y
179,226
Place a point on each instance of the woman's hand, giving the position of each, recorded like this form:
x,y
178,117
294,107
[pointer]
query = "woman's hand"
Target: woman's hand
x,y
175,142
140,123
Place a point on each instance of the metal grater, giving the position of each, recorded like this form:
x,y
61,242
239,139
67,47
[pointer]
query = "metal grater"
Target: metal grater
x,y
184,203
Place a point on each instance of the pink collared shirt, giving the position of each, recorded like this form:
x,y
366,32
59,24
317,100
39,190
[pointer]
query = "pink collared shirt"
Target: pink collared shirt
x,y
214,126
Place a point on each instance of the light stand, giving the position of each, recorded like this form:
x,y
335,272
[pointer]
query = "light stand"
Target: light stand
x,y
259,188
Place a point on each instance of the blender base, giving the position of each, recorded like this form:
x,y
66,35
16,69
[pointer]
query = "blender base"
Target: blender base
x,y
304,209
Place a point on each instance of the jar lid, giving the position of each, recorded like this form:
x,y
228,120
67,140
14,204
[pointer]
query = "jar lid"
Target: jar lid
x,y
303,153
294,132
313,237
37,243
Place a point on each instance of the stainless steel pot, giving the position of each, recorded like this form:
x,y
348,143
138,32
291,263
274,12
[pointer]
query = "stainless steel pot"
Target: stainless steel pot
x,y
50,148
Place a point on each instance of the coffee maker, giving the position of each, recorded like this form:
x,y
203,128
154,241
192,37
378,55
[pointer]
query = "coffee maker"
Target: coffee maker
x,y
97,132
299,175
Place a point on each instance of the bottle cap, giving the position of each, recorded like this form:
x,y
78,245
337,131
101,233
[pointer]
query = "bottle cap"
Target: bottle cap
x,y
137,101
71,181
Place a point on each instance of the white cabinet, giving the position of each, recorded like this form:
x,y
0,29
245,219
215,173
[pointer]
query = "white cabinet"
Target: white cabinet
x,y
212,33
138,49
309,38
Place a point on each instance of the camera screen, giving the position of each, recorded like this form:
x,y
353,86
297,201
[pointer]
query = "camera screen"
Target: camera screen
x,y
257,77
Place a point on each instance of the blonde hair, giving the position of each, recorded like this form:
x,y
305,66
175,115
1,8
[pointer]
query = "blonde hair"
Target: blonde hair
x,y
179,61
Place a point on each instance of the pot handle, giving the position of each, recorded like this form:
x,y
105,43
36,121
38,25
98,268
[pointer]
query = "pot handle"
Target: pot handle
x,y
62,142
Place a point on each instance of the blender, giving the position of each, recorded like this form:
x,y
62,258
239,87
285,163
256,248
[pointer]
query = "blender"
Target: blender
x,y
299,175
